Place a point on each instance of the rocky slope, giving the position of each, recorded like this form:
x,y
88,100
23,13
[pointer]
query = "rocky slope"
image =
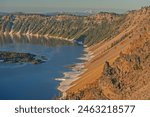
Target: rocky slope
x,y
92,29
120,68
119,44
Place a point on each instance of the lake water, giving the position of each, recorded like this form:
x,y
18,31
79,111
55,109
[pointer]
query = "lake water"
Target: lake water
x,y
27,81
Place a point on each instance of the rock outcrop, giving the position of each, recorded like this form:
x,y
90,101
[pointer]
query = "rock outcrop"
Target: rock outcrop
x,y
14,57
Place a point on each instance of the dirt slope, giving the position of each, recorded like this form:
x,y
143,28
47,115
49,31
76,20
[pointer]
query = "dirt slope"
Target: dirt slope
x,y
126,74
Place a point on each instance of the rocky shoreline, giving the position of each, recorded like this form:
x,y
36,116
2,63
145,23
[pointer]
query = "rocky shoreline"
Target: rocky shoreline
x,y
74,74
14,57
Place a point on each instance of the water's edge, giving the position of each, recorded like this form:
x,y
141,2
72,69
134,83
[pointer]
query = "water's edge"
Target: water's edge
x,y
50,69
72,76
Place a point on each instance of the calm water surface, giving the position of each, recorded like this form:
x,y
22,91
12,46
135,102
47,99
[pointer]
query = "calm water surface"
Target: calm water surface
x,y
28,81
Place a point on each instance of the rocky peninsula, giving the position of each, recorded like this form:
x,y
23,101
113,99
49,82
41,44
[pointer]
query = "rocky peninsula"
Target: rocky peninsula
x,y
14,57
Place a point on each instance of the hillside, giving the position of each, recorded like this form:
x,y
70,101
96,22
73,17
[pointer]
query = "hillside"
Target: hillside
x,y
91,29
120,66
118,45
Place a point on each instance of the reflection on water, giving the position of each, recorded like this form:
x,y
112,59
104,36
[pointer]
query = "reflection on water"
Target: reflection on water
x,y
28,81
9,39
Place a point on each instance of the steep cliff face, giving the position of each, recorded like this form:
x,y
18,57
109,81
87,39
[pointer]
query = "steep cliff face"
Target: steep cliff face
x,y
91,28
120,66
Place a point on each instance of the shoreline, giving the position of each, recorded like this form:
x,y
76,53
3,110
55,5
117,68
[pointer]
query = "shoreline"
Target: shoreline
x,y
69,77
36,35
72,76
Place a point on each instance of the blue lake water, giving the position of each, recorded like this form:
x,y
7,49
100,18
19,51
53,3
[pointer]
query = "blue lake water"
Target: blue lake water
x,y
35,82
